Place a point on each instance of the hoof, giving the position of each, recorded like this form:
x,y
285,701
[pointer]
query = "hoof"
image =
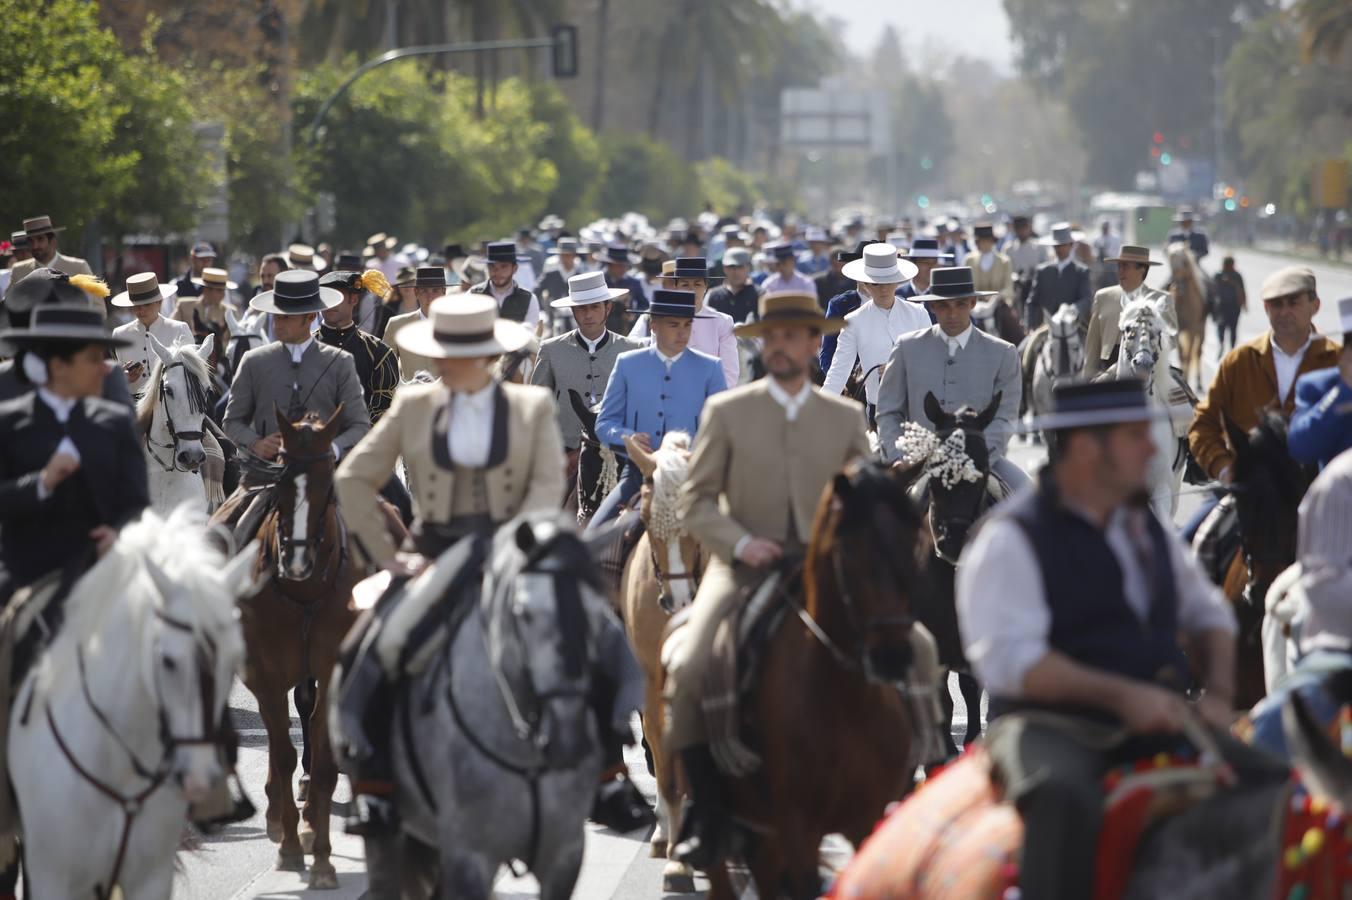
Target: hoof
x,y
307,841
678,878
657,849
303,789
288,863
323,877
275,832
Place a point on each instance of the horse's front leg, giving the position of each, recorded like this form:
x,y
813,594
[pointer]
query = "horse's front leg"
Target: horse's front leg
x,y
464,875
282,816
971,698
558,878
319,802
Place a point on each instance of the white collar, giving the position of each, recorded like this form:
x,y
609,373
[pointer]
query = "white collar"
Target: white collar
x,y
479,400
591,345
297,351
668,360
792,403
1062,263
505,293
146,328
962,338
1300,352
60,406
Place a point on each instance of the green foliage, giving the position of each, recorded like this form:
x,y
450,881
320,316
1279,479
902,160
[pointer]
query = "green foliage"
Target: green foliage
x,y
648,177
92,133
574,151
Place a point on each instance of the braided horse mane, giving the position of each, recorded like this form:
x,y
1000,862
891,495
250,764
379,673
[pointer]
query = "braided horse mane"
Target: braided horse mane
x,y
672,466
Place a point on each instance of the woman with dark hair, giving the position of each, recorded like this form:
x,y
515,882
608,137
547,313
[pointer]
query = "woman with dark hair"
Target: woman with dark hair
x,y
71,469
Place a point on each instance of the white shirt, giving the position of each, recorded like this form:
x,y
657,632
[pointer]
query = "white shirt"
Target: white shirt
x,y
167,331
470,432
1109,244
61,407
795,282
1062,263
668,361
987,260
298,350
869,335
792,403
957,342
591,345
1002,603
1287,365
711,333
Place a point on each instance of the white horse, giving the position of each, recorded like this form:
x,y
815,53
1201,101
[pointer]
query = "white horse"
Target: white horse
x,y
1146,344
118,727
171,414
1061,358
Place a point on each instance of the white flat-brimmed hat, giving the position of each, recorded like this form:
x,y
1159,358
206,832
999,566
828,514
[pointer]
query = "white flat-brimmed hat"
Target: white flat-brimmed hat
x,y
879,265
144,288
212,277
463,326
1062,233
586,289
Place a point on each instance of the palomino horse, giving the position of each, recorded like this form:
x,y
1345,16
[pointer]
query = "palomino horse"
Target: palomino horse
x,y
1267,485
661,577
293,627
1144,354
170,415
1061,358
1188,286
496,749
123,722
949,478
839,729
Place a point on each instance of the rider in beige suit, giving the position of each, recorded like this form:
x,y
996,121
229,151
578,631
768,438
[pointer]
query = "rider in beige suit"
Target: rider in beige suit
x,y
1101,341
764,454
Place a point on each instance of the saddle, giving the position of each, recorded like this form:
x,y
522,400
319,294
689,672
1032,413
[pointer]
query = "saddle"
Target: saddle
x,y
613,545
1218,540
955,837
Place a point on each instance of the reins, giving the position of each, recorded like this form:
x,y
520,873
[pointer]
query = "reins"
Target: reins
x,y
196,399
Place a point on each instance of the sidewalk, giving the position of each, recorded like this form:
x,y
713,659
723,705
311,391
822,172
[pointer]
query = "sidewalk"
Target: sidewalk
x,y
1300,251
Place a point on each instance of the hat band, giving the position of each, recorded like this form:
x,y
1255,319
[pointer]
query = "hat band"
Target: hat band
x,y
881,271
590,296
57,315
689,273
471,337
962,289
146,294
296,302
793,312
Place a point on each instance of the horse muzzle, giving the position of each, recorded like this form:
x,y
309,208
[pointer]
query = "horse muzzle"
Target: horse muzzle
x,y
891,662
190,457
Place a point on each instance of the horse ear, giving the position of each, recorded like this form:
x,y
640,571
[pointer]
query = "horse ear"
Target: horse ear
x,y
163,585
988,414
233,322
283,424
208,344
238,573
1239,438
163,352
330,428
583,412
525,537
936,412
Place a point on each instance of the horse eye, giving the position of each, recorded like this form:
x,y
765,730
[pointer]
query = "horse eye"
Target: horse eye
x,y
168,391
169,663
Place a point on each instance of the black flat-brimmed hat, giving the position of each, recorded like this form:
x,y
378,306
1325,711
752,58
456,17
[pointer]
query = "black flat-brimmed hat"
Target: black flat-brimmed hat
x,y
846,255
1086,404
781,250
673,304
296,292
952,283
691,267
347,262
984,231
789,308
501,252
63,323
615,253
430,277
927,248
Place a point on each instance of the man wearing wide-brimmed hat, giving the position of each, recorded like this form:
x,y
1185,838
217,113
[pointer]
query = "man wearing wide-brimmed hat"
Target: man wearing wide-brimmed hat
x,y
1103,339
785,276
143,296
1073,597
1062,280
295,373
1023,246
736,297
615,261
1184,233
41,234
429,284
749,507
960,365
712,331
515,302
833,282
561,264
581,360
873,329
205,313
377,364
302,256
189,284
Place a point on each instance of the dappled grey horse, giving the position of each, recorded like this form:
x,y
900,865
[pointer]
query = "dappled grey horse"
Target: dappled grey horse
x,y
495,745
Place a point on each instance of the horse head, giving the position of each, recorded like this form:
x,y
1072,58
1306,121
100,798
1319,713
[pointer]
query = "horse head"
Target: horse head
x,y
1145,338
305,499
546,604
177,403
983,316
676,557
953,464
861,567
1268,485
597,469
1064,350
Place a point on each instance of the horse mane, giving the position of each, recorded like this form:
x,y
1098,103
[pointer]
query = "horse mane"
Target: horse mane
x,y
179,545
1180,256
672,461
199,375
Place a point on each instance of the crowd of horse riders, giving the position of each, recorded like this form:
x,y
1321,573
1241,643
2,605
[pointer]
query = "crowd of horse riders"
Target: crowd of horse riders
x,y
791,462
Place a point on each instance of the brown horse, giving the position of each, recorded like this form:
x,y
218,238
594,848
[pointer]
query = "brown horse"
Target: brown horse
x,y
1188,287
292,629
831,711
1268,485
661,576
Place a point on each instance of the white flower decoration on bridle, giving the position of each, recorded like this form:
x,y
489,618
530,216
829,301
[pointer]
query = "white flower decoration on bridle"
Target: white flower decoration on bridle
x,y
946,460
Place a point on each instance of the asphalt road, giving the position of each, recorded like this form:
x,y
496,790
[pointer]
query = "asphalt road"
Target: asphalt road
x,y
238,863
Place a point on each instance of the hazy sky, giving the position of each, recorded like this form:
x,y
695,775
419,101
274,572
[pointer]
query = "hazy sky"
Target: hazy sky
x,y
976,28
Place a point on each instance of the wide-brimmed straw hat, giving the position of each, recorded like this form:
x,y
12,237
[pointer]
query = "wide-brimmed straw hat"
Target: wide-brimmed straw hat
x,y
63,323
952,283
789,308
303,256
296,292
586,289
40,225
1086,404
1130,253
463,326
144,288
212,277
879,264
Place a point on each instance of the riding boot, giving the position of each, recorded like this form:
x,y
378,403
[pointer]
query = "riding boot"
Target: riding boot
x,y
704,820
363,743
618,805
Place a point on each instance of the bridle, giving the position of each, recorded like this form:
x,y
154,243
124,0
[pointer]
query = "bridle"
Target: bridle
x,y
967,518
175,435
1062,351
313,544
664,579
216,734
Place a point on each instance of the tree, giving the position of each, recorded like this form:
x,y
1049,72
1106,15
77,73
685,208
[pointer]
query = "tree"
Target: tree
x,y
646,176
99,134
574,151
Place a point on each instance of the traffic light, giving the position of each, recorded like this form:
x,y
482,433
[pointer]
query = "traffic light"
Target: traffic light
x,y
1230,205
1155,152
1159,137
564,51
922,201
1229,193
1165,159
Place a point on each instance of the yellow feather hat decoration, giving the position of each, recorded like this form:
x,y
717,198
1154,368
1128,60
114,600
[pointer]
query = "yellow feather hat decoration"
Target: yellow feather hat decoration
x,y
375,281
90,285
